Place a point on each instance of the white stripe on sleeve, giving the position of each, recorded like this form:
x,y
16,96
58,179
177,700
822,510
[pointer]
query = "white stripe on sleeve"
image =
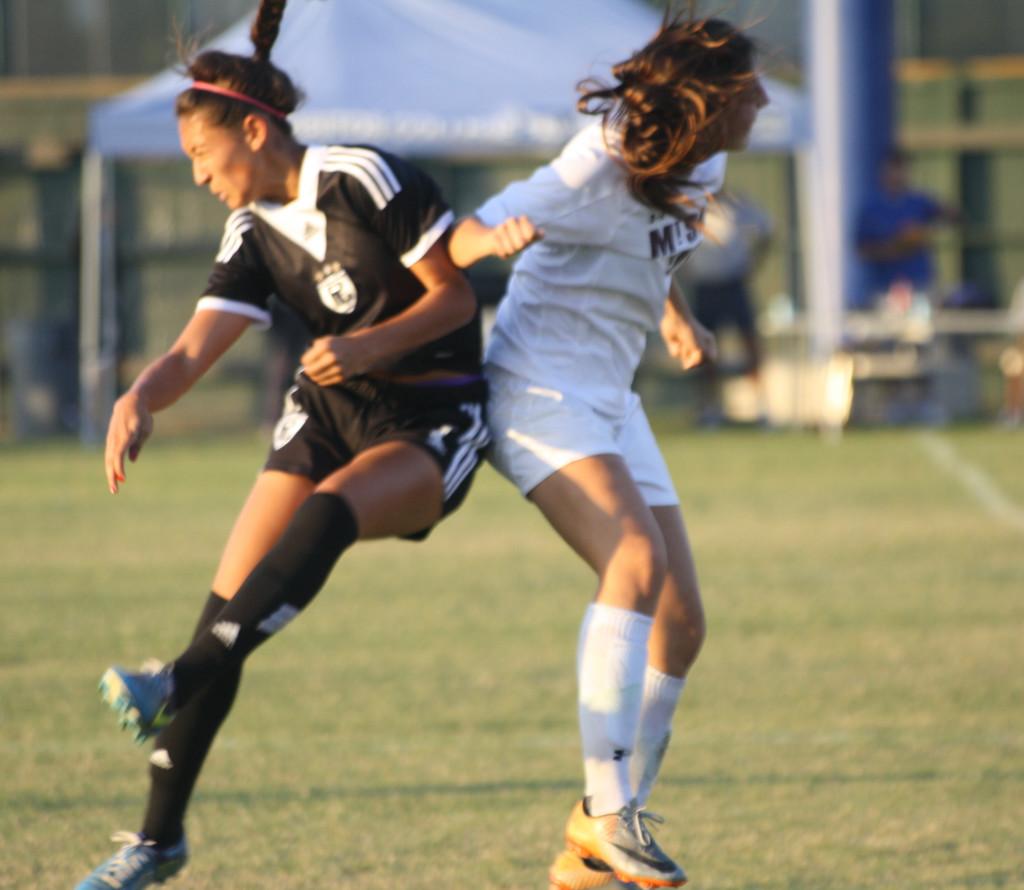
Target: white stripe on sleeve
x,y
427,240
236,307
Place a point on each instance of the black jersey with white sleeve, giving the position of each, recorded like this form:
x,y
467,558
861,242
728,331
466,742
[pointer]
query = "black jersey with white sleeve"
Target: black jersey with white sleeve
x,y
340,253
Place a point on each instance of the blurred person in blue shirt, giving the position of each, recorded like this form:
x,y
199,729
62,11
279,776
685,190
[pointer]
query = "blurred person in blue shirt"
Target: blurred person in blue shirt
x,y
894,236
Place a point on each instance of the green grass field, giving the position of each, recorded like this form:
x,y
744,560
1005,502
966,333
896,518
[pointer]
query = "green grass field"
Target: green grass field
x,y
856,719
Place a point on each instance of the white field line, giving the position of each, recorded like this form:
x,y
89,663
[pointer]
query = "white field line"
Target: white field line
x,y
976,482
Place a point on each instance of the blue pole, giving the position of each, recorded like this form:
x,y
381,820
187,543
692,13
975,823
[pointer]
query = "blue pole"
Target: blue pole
x,y
870,104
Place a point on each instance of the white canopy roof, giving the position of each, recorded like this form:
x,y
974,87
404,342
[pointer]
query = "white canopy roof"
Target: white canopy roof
x,y
431,77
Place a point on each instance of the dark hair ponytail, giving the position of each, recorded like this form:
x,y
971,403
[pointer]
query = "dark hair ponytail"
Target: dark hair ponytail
x,y
666,108
254,76
265,28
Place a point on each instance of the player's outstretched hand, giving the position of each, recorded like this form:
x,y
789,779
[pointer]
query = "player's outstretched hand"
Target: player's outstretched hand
x,y
513,235
330,360
689,342
131,424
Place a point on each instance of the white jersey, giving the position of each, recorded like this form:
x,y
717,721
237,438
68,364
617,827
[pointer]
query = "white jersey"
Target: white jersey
x,y
581,302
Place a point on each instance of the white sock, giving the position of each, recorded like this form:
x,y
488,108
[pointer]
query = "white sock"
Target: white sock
x,y
661,695
611,659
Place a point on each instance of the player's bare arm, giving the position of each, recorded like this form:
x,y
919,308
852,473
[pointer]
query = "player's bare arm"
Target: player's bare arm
x,y
686,338
204,339
447,304
471,240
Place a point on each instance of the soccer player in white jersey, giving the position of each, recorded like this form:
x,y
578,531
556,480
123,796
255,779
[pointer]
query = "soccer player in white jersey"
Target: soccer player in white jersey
x,y
609,220
381,433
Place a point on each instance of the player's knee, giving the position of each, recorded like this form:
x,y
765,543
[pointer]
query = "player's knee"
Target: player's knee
x,y
640,565
694,635
686,646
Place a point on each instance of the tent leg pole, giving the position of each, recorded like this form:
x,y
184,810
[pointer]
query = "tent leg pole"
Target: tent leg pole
x,y
98,321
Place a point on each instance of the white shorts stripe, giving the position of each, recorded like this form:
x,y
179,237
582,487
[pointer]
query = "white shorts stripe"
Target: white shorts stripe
x,y
465,467
466,456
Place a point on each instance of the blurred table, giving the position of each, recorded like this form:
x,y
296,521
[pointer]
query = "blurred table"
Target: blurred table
x,y
917,366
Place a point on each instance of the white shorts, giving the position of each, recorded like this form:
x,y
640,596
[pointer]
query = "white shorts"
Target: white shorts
x,y
537,430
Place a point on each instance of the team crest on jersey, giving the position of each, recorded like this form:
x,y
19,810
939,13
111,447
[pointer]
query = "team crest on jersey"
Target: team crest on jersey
x,y
336,288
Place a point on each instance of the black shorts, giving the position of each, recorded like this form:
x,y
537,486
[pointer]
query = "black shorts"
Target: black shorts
x,y
723,304
322,428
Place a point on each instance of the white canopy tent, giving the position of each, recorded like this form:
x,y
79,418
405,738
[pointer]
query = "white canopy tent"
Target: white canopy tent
x,y
442,78
430,76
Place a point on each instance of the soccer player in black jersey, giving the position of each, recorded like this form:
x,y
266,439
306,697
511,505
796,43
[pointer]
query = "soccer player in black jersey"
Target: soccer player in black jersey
x,y
381,433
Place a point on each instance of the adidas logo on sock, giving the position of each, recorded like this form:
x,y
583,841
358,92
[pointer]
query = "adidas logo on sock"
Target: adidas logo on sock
x,y
161,759
226,632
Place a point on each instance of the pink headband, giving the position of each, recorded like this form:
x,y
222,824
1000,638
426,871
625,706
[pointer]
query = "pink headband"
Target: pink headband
x,y
204,87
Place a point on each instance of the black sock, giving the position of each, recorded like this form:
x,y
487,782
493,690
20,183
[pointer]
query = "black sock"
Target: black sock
x,y
283,584
181,749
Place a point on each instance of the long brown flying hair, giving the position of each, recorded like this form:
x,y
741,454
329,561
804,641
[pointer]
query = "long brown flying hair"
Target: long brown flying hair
x,y
667,105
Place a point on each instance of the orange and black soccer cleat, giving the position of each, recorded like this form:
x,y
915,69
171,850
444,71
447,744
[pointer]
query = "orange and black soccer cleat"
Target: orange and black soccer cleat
x,y
622,842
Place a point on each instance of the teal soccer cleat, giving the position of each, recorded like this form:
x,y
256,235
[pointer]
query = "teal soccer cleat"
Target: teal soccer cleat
x,y
137,864
144,700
